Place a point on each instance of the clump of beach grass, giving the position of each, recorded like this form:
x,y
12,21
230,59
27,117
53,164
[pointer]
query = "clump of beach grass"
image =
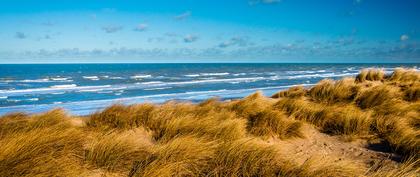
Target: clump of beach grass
x,y
370,75
405,75
274,123
293,92
377,96
182,156
46,147
115,151
245,157
330,91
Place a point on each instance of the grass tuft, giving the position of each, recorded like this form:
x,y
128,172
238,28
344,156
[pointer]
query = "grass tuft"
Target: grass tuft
x,y
370,75
274,123
182,156
329,91
116,151
293,92
245,157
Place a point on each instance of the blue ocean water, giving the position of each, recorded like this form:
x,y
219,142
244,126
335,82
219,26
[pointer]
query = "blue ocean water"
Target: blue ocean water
x,y
85,88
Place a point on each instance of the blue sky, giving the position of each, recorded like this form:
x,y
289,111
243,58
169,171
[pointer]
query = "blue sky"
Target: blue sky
x,y
209,31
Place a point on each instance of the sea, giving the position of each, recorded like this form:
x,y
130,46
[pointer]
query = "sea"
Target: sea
x,y
82,89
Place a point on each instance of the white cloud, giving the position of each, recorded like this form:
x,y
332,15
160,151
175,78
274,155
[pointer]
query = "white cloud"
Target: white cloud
x,y
255,2
48,23
171,34
183,16
141,27
109,10
235,41
190,38
404,37
112,28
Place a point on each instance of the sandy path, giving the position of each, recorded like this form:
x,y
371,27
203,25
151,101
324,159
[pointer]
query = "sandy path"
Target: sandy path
x,y
320,145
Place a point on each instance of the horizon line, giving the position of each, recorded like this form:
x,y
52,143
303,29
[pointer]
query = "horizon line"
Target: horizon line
x,y
210,63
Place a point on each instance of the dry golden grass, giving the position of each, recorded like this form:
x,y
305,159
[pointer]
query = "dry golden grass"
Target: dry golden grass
x,y
329,91
215,138
245,157
44,148
115,151
274,123
293,92
405,75
412,93
314,167
377,96
182,156
370,75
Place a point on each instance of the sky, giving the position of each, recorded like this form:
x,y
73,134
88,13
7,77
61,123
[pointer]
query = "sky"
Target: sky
x,y
195,31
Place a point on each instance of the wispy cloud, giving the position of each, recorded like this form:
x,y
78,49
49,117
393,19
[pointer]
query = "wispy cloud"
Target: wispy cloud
x,y
190,38
48,23
255,2
183,16
109,10
236,41
171,34
112,28
404,37
141,27
357,1
20,35
155,39
93,16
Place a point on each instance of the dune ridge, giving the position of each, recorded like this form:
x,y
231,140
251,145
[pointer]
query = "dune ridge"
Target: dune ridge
x,y
363,126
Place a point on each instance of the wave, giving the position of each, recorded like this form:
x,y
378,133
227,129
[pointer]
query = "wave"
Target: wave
x,y
140,85
105,92
34,80
218,80
116,78
87,107
93,78
60,78
52,90
306,71
158,84
90,90
214,74
158,88
13,100
43,80
152,82
207,74
141,76
33,99
192,75
239,74
64,86
327,75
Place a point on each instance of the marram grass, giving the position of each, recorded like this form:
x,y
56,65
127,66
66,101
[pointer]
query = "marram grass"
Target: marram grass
x,y
222,138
